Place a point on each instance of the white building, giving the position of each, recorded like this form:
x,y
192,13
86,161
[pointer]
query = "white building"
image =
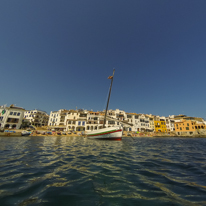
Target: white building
x,y
77,120
57,119
170,124
36,117
83,120
140,122
11,117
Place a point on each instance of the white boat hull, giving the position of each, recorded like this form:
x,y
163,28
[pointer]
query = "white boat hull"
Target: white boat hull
x,y
25,133
110,133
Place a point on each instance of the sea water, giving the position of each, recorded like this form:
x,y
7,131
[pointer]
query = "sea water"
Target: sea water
x,y
78,171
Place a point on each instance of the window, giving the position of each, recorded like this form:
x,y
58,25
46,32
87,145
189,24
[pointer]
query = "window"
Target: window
x,y
18,114
14,113
9,119
180,128
83,123
188,124
79,123
187,128
11,113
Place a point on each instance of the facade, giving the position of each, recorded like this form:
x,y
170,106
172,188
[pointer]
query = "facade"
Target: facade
x,y
140,122
57,119
88,120
170,124
144,123
76,120
36,117
11,117
151,123
160,124
189,127
84,120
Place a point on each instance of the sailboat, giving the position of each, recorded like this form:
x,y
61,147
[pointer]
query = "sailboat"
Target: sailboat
x,y
110,133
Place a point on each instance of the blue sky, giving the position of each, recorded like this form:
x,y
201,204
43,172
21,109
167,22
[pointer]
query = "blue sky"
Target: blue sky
x,y
58,54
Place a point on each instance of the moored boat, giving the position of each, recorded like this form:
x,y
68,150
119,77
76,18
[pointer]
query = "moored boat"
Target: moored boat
x,y
25,133
109,133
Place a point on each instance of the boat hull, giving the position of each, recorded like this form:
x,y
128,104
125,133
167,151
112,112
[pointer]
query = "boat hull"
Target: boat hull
x,y
111,133
25,133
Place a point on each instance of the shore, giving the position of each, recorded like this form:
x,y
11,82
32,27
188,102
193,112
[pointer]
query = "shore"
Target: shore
x,y
43,133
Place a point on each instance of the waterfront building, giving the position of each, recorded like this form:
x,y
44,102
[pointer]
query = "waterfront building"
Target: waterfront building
x,y
139,122
57,119
89,120
160,124
83,120
151,122
170,124
190,126
132,118
36,117
76,120
11,117
95,120
144,124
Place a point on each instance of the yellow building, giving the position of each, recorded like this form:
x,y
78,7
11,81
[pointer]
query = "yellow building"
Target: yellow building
x,y
160,125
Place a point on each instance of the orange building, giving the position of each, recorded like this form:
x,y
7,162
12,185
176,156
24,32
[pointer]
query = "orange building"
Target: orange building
x,y
188,127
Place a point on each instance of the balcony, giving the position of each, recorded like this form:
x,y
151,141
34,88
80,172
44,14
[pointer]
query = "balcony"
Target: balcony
x,y
12,120
63,114
83,115
92,122
82,118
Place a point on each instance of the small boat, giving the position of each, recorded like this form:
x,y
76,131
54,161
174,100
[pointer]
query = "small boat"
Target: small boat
x,y
25,133
110,133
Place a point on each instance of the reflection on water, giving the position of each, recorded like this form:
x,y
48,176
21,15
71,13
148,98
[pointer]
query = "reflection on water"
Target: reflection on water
x,y
78,171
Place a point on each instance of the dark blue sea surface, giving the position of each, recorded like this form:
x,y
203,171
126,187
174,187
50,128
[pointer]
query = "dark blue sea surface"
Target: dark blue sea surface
x,y
78,171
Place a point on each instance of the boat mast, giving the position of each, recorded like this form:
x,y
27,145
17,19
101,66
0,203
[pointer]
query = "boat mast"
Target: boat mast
x,y
111,77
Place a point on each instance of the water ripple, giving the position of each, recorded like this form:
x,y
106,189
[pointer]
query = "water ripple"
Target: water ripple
x,y
77,171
